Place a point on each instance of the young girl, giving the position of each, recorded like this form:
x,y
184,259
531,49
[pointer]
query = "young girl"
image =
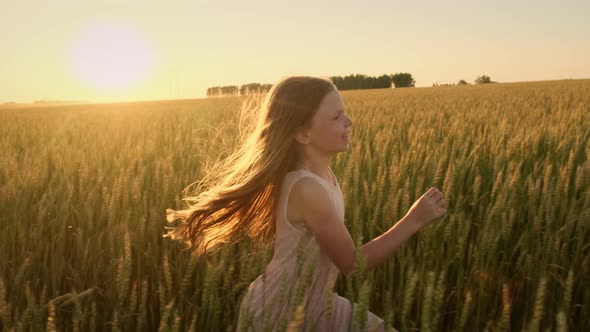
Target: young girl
x,y
279,186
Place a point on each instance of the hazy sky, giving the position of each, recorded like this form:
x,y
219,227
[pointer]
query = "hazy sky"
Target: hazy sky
x,y
118,50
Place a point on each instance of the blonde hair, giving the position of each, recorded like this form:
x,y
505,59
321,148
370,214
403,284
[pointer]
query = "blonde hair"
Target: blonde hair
x,y
244,188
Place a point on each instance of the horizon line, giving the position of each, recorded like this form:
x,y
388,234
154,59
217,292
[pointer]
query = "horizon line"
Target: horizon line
x,y
53,103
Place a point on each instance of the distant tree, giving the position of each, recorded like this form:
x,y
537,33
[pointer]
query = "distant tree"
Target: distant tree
x,y
360,81
442,84
383,81
234,90
483,79
403,80
214,91
462,82
251,88
230,90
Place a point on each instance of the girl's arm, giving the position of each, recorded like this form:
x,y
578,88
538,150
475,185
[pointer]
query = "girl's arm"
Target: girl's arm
x,y
380,248
429,207
320,214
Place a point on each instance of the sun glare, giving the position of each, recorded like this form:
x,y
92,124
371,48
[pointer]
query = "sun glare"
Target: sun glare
x,y
111,56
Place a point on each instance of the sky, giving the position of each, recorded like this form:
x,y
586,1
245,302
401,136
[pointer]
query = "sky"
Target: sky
x,y
131,50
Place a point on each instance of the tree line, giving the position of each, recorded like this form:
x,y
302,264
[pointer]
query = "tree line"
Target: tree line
x,y
479,80
350,82
234,90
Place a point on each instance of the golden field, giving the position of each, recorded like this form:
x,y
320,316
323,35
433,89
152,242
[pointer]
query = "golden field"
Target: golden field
x,y
84,189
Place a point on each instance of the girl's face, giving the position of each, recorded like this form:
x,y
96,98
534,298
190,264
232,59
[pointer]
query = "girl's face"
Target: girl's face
x,y
330,126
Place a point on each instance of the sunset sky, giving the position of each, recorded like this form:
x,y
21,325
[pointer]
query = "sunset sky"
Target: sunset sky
x,y
123,50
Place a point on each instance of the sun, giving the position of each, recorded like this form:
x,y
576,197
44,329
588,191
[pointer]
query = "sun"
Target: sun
x,y
111,56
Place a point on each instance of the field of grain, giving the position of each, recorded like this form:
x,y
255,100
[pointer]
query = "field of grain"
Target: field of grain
x,y
84,189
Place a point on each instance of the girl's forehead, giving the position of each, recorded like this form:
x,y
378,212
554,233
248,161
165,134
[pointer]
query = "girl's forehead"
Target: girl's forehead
x,y
332,102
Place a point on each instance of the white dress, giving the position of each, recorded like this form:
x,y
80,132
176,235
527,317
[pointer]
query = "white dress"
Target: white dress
x,y
270,298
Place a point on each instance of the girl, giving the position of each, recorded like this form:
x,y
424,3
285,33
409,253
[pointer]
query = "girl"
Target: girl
x,y
279,185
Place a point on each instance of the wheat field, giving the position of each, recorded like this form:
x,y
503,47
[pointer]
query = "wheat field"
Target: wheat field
x,y
84,189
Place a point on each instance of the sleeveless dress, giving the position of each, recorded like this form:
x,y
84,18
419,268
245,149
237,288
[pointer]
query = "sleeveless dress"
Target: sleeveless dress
x,y
299,272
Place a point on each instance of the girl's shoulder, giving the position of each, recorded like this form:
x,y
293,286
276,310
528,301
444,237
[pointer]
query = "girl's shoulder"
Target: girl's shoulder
x,y
304,193
301,184
331,184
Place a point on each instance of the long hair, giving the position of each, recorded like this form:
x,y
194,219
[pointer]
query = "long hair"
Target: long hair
x,y
243,190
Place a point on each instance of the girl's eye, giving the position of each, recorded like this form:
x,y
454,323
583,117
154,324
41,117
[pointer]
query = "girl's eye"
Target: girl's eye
x,y
337,117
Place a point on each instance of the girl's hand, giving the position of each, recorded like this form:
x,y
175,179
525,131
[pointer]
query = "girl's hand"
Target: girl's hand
x,y
428,207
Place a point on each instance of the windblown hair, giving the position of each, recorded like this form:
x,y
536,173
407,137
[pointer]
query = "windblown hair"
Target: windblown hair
x,y
242,197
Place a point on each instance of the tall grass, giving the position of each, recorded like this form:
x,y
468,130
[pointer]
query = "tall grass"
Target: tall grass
x,y
83,193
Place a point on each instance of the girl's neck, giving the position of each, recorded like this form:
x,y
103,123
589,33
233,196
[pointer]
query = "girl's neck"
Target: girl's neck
x,y
322,171
313,160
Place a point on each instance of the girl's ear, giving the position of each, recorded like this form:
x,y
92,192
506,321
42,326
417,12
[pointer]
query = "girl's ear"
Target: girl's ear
x,y
302,135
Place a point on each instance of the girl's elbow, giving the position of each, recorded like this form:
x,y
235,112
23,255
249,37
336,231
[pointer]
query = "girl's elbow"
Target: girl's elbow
x,y
347,270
